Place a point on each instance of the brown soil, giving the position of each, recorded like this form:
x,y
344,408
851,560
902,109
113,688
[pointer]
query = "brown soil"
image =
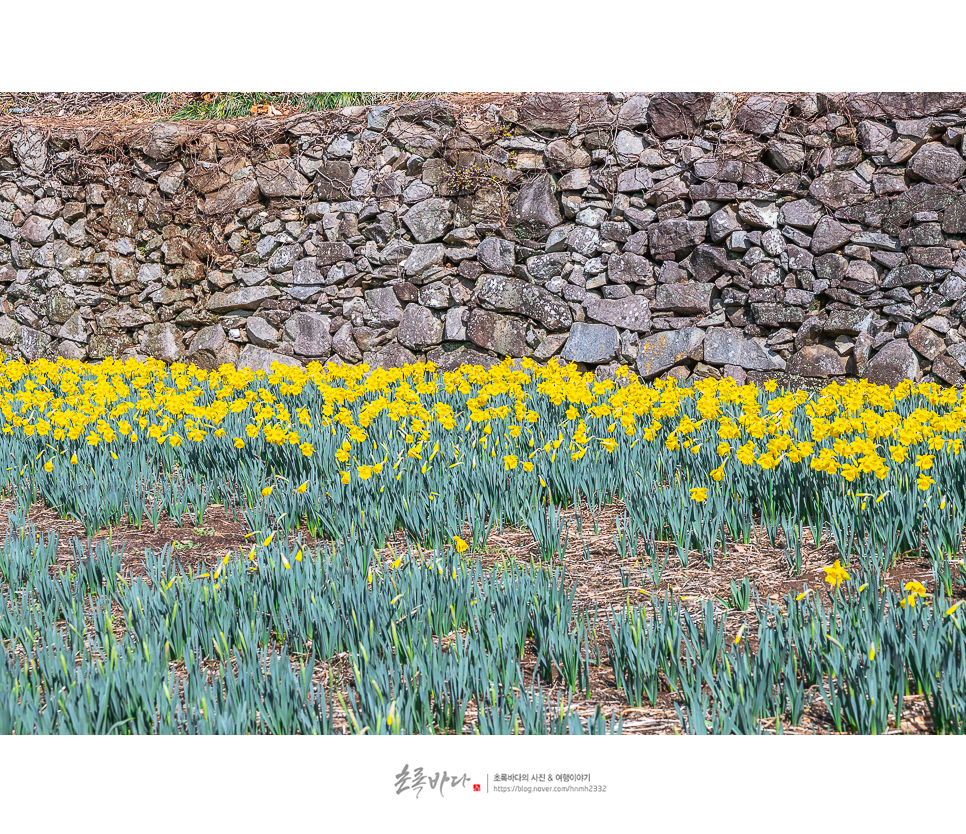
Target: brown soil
x,y
64,109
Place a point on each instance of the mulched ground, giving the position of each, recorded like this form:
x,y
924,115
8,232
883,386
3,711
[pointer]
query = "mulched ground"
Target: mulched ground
x,y
604,581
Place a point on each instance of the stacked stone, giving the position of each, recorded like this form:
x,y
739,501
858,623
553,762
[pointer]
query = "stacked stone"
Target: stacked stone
x,y
684,233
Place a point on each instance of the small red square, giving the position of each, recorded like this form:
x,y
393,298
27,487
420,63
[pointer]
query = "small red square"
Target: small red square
x,y
476,787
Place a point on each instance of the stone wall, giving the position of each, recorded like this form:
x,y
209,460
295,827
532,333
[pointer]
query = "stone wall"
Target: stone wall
x,y
686,233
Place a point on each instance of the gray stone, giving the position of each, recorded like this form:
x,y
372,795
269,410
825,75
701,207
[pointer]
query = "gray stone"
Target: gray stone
x,y
937,163
164,140
776,315
37,230
761,114
383,308
429,220
675,238
760,214
662,351
454,330
948,370
908,275
74,329
678,114
423,257
162,341
722,223
30,149
729,347
894,363
829,235
210,348
260,359
309,335
419,328
345,346
690,299
497,255
455,359
874,137
103,345
284,258
9,330
332,252
631,313
170,182
544,267
511,295
628,268
536,204
562,155
590,344
395,356
925,342
247,298
847,322
803,214
436,296
817,361
837,189
333,181
232,197
584,241
502,334
260,332
636,179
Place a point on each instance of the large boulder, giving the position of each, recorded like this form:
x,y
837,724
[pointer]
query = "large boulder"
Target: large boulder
x,y
629,313
817,361
260,359
678,114
688,299
162,341
247,298
895,362
536,204
429,220
724,346
280,178
504,335
309,335
419,328
937,163
591,344
511,295
662,351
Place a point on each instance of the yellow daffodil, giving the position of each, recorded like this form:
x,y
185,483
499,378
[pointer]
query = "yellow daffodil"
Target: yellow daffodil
x,y
836,574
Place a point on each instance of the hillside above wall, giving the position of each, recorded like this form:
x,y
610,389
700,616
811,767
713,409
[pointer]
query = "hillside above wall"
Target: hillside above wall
x,y
685,233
